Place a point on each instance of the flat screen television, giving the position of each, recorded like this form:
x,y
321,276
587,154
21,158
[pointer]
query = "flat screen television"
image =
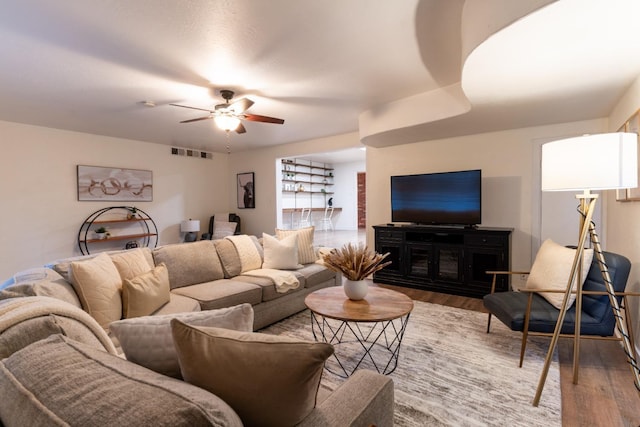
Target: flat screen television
x,y
447,198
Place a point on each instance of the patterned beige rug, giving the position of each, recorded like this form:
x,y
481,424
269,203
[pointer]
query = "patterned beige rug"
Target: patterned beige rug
x,y
452,373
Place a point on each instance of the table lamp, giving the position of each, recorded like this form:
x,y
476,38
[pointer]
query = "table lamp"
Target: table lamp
x,y
191,227
591,162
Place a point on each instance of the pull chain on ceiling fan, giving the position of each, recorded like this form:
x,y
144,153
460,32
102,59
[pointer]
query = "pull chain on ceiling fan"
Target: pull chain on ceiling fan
x,y
229,116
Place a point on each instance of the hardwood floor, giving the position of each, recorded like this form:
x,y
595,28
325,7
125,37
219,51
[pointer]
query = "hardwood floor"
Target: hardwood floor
x,y
605,394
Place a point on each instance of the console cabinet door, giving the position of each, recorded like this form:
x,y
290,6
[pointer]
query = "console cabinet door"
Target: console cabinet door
x,y
448,262
420,261
395,256
481,260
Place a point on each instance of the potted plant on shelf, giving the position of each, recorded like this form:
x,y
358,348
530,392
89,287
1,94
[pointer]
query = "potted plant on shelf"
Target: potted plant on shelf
x,y
102,233
355,262
133,212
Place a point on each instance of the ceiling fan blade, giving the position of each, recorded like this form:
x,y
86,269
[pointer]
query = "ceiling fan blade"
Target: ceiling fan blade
x,y
193,108
198,119
240,129
264,119
240,106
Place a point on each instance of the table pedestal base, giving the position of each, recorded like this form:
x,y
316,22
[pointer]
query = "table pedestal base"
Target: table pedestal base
x,y
372,345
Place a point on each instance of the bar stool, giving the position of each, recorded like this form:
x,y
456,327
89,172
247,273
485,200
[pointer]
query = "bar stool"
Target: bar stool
x,y
326,222
305,218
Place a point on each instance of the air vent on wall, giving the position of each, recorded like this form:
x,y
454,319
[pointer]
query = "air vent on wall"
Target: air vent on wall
x,y
191,153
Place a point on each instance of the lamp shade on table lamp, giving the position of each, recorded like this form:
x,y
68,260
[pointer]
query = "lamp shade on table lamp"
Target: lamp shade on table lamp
x,y
591,162
191,227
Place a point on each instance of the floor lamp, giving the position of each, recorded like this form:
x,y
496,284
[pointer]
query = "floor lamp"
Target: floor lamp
x,y
586,163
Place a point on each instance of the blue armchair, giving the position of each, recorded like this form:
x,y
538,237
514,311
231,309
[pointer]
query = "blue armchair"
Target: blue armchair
x,y
528,312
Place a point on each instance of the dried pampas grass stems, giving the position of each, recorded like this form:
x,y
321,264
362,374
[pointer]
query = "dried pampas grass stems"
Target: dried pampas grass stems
x,y
355,262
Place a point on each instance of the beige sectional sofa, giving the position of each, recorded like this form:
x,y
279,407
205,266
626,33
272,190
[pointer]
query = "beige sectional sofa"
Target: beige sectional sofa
x,y
67,315
206,275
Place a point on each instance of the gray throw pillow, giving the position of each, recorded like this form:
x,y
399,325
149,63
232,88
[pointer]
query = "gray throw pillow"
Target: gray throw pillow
x,y
58,381
147,340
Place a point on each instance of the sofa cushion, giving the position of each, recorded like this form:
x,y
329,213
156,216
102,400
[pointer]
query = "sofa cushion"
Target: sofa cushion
x,y
58,381
269,290
222,293
228,257
280,254
178,304
98,284
147,341
190,263
268,380
131,263
144,294
53,285
28,319
306,252
551,270
315,274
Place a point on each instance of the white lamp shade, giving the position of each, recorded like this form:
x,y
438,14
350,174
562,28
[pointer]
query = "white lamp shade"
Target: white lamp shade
x,y
190,226
227,122
591,162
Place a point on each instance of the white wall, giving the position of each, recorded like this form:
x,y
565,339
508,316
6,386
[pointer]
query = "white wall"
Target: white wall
x,y
346,194
506,160
41,216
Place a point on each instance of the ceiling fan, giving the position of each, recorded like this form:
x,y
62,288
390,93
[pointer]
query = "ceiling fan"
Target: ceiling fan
x,y
227,116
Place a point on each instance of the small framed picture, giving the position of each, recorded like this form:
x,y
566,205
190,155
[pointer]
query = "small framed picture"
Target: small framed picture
x,y
246,190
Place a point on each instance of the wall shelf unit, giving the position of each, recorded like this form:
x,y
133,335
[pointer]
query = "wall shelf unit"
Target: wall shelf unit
x,y
304,179
138,230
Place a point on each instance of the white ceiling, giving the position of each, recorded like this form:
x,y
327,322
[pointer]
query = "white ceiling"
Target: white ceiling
x,y
87,65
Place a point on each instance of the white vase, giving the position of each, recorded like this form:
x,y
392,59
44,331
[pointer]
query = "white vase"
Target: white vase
x,y
355,289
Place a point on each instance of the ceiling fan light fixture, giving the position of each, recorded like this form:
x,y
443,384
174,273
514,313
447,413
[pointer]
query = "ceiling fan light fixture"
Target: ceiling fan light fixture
x,y
227,123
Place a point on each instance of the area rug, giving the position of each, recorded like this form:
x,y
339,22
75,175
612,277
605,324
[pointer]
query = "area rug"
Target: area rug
x,y
452,373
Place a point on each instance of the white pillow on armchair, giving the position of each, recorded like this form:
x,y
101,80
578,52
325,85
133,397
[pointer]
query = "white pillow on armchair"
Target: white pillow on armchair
x,y
222,229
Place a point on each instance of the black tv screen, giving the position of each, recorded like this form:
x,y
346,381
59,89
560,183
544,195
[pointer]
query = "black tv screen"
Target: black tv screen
x,y
447,198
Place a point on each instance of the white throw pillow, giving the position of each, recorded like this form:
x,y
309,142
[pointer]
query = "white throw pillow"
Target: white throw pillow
x,y
280,254
222,229
306,252
147,340
551,270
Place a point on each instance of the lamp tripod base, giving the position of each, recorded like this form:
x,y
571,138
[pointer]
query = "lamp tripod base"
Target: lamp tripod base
x,y
588,228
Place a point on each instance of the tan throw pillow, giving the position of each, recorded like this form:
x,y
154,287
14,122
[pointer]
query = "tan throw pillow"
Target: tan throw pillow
x,y
268,380
551,270
97,283
306,253
131,263
222,229
147,340
280,254
145,293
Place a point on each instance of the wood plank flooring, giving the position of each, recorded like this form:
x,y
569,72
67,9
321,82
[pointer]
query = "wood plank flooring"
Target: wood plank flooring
x,y
605,394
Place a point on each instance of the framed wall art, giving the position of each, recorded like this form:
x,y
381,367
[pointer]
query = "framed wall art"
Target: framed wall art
x,y
246,190
97,183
